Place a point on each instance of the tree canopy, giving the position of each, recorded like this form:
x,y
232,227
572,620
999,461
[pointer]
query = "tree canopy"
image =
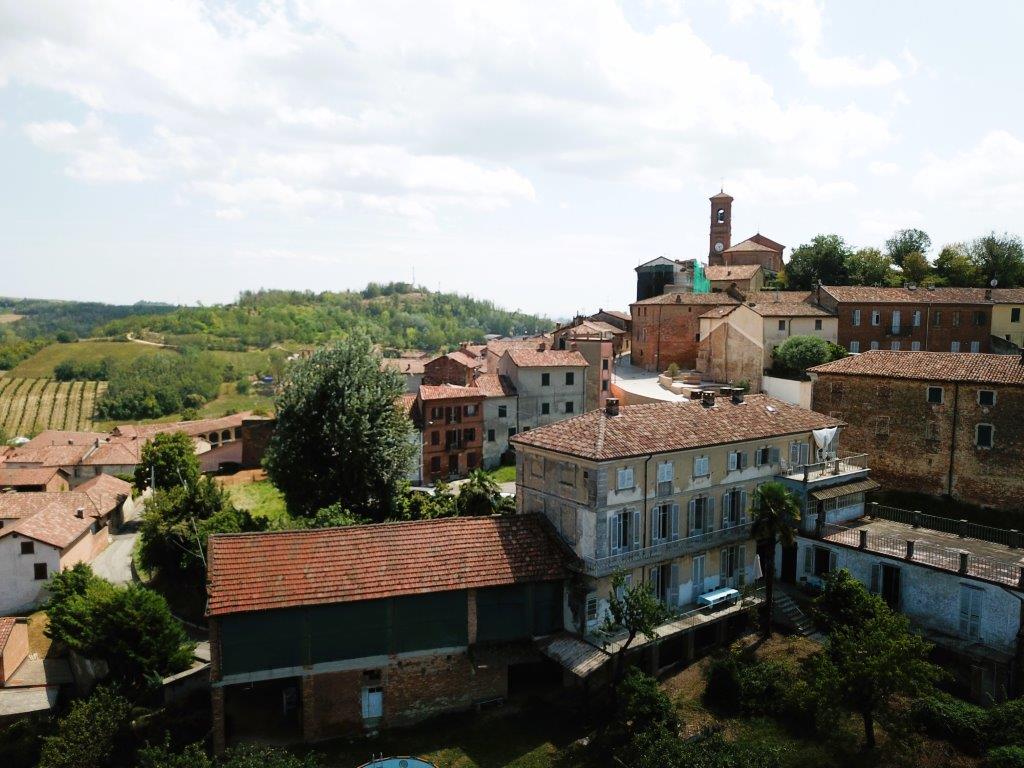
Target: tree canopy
x,y
906,241
169,459
869,266
798,353
823,259
341,437
776,511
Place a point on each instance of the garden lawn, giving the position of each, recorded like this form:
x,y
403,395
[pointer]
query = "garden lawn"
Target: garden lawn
x,y
261,498
506,474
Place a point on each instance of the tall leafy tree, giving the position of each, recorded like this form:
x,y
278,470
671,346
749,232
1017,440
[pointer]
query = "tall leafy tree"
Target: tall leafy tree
x,y
869,266
871,657
999,257
916,268
798,353
635,610
825,258
169,458
95,733
776,512
906,241
480,495
955,267
340,436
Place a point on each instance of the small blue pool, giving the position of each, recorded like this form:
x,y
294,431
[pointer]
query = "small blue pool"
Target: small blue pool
x,y
398,762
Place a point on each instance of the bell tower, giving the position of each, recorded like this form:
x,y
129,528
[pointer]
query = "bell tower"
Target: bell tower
x,y
721,227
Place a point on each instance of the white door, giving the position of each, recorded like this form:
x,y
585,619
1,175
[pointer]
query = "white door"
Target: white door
x,y
698,575
373,703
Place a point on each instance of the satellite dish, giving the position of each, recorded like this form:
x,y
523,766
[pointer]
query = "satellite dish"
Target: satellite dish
x,y
993,282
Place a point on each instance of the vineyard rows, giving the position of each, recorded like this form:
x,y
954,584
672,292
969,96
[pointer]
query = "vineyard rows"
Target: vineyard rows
x,y
28,406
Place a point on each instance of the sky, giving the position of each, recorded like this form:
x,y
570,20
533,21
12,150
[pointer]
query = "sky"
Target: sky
x,y
531,153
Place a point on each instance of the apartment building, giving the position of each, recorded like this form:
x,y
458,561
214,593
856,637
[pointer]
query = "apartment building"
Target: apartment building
x,y
599,343
551,383
937,422
450,420
666,328
501,415
663,491
1007,311
910,318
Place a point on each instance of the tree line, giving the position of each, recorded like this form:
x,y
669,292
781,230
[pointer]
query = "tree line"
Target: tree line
x,y
905,259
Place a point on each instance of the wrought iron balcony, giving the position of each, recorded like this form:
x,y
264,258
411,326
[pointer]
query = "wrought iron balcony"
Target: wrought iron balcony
x,y
826,470
602,566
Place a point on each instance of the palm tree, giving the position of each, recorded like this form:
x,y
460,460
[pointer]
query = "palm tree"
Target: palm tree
x,y
775,514
479,495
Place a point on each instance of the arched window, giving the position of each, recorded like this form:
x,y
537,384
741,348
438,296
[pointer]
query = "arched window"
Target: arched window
x,y
721,215
225,435
214,438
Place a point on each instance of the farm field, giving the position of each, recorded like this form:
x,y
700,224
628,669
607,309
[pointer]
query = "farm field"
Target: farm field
x,y
42,363
29,405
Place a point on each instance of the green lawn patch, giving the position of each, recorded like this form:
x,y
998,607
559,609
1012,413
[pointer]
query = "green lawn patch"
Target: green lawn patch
x,y
261,499
506,474
42,363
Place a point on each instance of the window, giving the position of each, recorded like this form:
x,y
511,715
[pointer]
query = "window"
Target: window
x,y
799,453
737,460
897,317
625,479
766,455
502,411
881,424
935,395
986,397
819,561
782,325
854,346
604,385
915,346
28,547
874,345
545,409
666,471
979,319
511,431
876,317
701,515
1015,315
734,507
604,364
721,215
471,410
570,378
591,610
39,571
817,325
624,531
664,523
856,317
895,346
435,437
983,435
954,346
470,460
545,379
970,611
435,464
490,435
701,466
569,404
975,346
956,318
917,318
437,413
937,318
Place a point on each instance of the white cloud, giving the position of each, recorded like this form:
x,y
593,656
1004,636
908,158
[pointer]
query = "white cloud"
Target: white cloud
x,y
883,168
806,20
409,110
989,175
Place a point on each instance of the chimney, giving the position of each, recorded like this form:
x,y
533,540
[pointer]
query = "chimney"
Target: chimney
x,y
96,443
80,513
707,398
737,395
611,406
679,298
542,346
988,294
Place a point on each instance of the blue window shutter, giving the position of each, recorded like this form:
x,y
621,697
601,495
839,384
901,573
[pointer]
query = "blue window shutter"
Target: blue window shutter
x,y
636,529
675,521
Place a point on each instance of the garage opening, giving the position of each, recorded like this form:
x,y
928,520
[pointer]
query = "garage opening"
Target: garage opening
x,y
269,711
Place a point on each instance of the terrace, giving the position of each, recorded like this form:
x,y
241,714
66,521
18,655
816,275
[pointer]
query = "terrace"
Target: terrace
x,y
601,566
840,467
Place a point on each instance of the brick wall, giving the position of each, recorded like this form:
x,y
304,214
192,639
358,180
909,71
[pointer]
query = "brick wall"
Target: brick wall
x,y
913,445
463,449
667,333
445,370
256,434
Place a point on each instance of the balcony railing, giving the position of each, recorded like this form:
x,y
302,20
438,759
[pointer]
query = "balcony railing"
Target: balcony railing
x,y
597,566
963,528
822,470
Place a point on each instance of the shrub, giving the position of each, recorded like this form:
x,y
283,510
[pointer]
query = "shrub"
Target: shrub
x,y
94,734
1005,757
243,385
1006,723
673,370
798,353
724,691
949,718
644,704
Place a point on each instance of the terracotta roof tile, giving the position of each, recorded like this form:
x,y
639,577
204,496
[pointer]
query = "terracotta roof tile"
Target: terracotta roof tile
x,y
13,478
668,427
1008,295
732,271
119,451
930,366
495,385
196,428
447,392
867,294
6,627
404,365
785,304
755,245
549,358
105,491
64,437
281,569
54,525
50,455
685,299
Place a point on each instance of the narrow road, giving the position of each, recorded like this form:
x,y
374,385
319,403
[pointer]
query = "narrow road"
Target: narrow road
x,y
115,562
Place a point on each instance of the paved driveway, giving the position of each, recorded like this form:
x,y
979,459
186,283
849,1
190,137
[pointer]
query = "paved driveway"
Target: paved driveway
x,y
115,562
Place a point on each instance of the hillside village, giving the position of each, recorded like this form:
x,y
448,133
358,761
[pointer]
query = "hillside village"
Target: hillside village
x,y
622,464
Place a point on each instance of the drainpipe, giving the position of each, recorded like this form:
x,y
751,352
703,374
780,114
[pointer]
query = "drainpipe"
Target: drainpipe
x,y
952,439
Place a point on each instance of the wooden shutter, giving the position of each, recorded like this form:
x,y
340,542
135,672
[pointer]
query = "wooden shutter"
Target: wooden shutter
x,y
655,579
710,524
773,455
733,460
614,536
691,514
742,565
636,529
794,454
743,507
723,565
808,559
655,527
673,586
726,508
675,521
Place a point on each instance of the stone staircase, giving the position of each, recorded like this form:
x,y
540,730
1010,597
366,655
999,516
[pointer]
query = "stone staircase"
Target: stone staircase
x,y
788,613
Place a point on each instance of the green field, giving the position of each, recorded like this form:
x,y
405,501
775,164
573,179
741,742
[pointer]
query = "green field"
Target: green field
x,y
261,498
30,405
42,363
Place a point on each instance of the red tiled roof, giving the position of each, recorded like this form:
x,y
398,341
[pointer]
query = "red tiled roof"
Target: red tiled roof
x,y
684,299
54,525
495,385
13,478
785,304
668,427
867,294
105,491
549,358
756,243
404,365
615,313
282,569
930,366
1008,295
500,346
6,627
447,392
63,437
118,451
720,311
731,271
196,428
50,455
